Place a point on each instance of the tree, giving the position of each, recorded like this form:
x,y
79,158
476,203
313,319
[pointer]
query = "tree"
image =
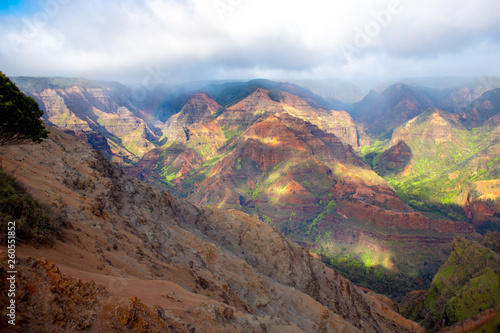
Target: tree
x,y
19,115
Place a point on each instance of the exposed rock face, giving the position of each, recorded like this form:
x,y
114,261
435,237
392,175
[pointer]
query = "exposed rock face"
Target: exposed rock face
x,y
259,104
218,270
49,301
386,211
91,106
57,113
432,127
293,152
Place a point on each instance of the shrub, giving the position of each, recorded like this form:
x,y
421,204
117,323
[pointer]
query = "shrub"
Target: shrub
x,y
34,221
19,115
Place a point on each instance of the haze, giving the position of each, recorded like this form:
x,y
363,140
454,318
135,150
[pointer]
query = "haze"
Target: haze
x,y
179,41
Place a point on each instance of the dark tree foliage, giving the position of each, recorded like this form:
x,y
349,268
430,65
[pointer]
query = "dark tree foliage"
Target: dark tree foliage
x,y
19,115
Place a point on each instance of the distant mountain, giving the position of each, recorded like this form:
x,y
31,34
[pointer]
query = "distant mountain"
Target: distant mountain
x,y
382,112
231,93
200,108
484,111
435,83
390,105
164,101
453,93
337,93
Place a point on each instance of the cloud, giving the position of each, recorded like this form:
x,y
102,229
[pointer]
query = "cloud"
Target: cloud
x,y
204,39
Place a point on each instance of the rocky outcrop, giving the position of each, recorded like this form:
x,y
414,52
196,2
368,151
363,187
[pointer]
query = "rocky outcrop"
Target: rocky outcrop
x,y
94,139
198,110
379,206
194,265
394,160
49,301
485,208
384,218
466,285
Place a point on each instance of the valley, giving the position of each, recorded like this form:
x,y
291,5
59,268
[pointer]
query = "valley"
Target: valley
x,y
165,264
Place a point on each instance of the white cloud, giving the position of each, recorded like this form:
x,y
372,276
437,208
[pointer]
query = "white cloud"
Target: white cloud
x,y
203,39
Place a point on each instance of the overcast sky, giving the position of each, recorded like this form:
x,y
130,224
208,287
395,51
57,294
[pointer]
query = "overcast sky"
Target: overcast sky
x,y
175,41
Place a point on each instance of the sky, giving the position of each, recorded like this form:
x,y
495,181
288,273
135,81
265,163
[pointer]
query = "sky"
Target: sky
x,y
174,41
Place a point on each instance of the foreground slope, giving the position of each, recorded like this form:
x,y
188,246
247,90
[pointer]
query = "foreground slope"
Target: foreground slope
x,y
201,267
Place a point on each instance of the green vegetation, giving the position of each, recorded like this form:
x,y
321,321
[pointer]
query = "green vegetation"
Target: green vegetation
x,y
468,283
230,134
276,95
329,209
257,191
468,303
19,115
364,270
440,171
38,84
389,267
267,219
371,154
34,221
218,113
277,166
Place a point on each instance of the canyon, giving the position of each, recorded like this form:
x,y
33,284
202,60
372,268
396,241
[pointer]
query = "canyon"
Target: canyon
x,y
165,264
378,191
